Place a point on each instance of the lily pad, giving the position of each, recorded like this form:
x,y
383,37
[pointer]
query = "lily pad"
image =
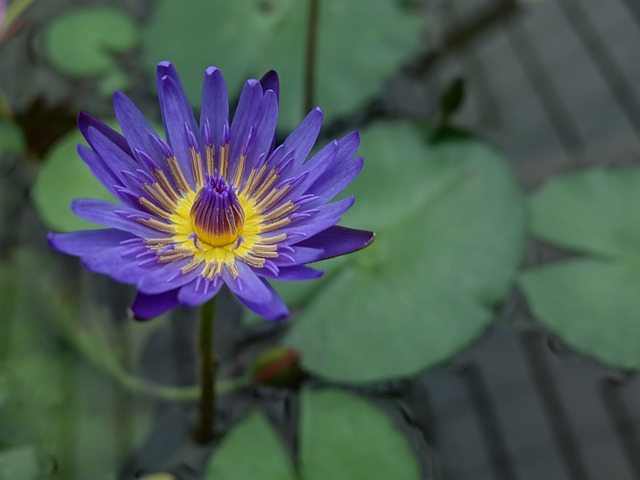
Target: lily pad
x,y
11,139
341,436
592,303
19,463
63,178
195,34
360,44
58,401
450,235
593,211
251,450
83,42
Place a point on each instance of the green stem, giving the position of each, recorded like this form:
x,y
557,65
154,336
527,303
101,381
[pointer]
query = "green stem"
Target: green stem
x,y
206,426
310,58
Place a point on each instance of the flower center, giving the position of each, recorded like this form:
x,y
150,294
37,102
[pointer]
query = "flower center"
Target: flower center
x,y
216,214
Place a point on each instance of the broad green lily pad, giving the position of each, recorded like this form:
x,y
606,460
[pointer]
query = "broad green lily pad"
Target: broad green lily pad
x,y
360,44
11,139
251,450
341,436
595,211
63,178
592,303
19,463
58,400
449,219
83,42
195,34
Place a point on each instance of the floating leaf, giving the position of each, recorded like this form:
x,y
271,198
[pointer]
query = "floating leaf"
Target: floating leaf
x,y
341,436
360,44
450,223
11,139
594,211
83,42
251,450
58,401
64,178
19,463
195,34
591,303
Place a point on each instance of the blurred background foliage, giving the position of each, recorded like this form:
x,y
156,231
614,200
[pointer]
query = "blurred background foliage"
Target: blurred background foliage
x,y
87,393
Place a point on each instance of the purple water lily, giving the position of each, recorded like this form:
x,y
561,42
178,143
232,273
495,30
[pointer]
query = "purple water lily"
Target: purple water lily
x,y
215,203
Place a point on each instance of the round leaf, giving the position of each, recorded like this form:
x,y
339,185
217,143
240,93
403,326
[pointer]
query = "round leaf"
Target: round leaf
x,y
359,44
592,305
11,139
63,178
195,34
19,462
251,450
591,211
82,42
451,233
343,436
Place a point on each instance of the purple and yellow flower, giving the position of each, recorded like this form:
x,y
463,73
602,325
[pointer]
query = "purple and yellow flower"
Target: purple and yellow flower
x,y
215,203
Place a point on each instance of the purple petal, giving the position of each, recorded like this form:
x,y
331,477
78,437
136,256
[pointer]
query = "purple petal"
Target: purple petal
x,y
176,113
255,293
299,256
87,242
103,213
249,108
304,137
294,273
100,169
337,240
199,291
264,130
85,121
114,158
146,306
327,216
138,132
270,81
335,179
215,105
168,276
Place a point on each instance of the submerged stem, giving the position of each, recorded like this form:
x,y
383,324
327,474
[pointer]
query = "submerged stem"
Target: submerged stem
x,y
310,58
206,426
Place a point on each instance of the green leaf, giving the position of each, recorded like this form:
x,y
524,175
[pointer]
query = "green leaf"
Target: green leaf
x,y
450,223
360,44
83,42
343,436
251,451
591,211
194,35
57,400
63,178
11,139
592,305
19,463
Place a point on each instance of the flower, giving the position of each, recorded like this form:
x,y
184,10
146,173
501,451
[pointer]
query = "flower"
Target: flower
x,y
214,204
